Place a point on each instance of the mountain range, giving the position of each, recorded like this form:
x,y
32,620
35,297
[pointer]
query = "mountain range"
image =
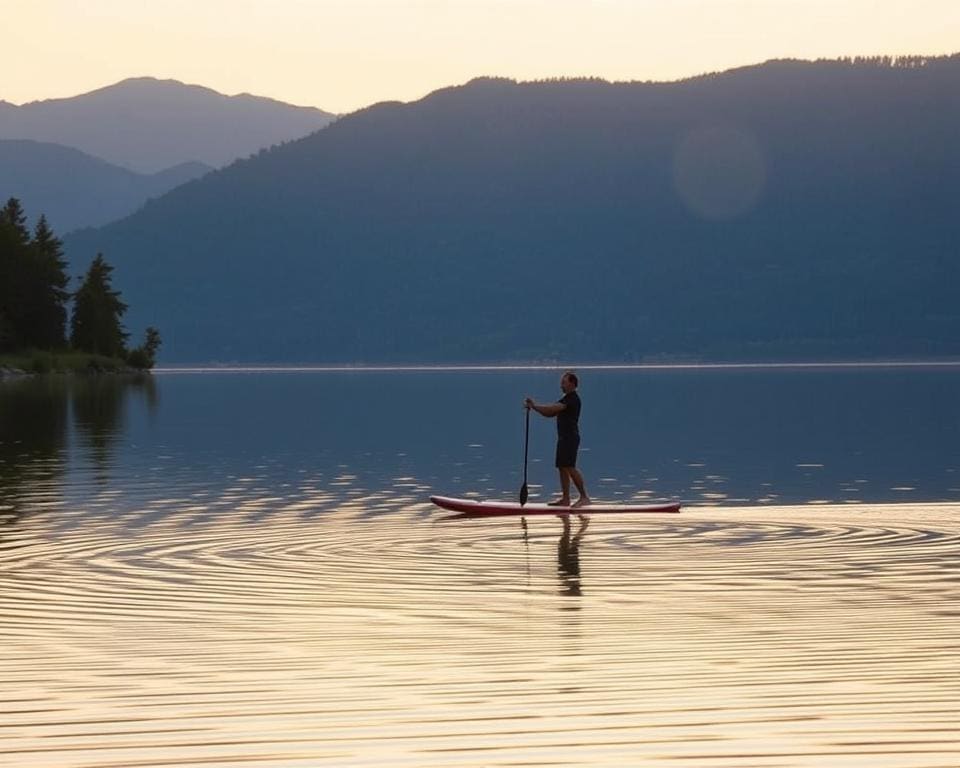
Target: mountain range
x,y
786,210
76,190
149,125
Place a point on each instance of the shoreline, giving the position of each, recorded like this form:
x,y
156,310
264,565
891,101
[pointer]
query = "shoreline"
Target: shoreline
x,y
508,367
17,374
85,365
62,363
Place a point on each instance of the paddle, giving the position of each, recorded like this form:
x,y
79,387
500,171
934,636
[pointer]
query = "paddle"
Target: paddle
x,y
526,445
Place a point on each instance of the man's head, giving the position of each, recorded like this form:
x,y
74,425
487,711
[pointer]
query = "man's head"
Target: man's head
x,y
569,382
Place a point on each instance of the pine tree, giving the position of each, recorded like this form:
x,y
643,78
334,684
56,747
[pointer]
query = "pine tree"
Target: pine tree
x,y
33,283
12,216
95,325
50,311
14,239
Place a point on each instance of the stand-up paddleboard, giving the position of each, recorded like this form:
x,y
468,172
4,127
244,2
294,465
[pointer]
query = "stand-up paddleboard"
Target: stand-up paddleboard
x,y
474,508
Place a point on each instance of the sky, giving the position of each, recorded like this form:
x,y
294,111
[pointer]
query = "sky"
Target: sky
x,y
341,55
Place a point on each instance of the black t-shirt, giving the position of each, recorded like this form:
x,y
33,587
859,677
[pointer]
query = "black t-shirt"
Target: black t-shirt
x,y
568,419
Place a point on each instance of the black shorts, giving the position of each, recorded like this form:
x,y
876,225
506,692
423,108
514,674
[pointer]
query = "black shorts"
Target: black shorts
x,y
567,451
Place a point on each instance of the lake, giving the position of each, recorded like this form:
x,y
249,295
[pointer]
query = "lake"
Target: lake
x,y
242,568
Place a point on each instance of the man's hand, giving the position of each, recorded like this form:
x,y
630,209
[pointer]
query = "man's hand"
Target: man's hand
x,y
528,403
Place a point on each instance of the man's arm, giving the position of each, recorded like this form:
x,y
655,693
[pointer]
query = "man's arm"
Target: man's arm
x,y
549,409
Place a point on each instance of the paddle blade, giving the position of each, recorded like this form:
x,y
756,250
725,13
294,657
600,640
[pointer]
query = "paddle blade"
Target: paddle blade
x,y
523,494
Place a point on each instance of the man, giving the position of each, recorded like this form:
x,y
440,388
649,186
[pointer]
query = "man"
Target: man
x,y
567,413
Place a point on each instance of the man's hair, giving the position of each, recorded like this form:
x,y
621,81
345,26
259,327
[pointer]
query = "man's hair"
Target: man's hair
x,y
573,378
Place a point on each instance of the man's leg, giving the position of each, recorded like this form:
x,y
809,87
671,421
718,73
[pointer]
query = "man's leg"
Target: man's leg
x,y
564,500
574,474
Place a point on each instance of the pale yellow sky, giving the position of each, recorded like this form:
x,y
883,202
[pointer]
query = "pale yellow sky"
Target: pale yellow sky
x,y
341,55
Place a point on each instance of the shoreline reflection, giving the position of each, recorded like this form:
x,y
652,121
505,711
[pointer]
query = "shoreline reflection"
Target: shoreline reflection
x,y
48,423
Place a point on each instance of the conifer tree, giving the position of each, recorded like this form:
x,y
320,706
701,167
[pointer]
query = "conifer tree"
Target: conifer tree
x,y
95,325
33,283
14,239
48,312
12,216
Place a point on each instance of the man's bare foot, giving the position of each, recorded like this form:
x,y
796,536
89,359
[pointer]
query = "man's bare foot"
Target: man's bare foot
x,y
559,503
583,501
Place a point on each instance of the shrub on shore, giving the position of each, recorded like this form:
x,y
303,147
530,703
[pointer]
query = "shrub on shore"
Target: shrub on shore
x,y
42,361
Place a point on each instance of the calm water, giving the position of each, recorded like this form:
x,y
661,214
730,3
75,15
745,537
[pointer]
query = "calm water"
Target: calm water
x,y
242,569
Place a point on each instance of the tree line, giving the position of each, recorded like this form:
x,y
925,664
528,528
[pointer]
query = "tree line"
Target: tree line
x,y
35,298
890,62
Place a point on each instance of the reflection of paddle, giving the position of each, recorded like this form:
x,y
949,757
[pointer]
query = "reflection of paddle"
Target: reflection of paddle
x,y
526,444
526,546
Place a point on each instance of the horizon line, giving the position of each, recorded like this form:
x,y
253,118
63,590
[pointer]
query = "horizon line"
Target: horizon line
x,y
506,367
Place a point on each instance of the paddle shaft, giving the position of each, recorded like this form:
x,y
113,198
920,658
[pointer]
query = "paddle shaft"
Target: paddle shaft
x,y
526,447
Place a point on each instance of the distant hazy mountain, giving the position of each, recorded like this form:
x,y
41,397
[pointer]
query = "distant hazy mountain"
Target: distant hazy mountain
x,y
785,210
76,190
148,125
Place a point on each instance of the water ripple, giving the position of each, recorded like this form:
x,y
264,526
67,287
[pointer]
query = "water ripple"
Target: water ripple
x,y
336,625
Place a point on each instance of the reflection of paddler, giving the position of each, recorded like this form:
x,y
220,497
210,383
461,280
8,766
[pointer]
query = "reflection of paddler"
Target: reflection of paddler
x,y
568,554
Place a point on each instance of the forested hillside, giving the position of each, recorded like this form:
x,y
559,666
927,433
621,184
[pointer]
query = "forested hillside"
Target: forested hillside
x,y
792,209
